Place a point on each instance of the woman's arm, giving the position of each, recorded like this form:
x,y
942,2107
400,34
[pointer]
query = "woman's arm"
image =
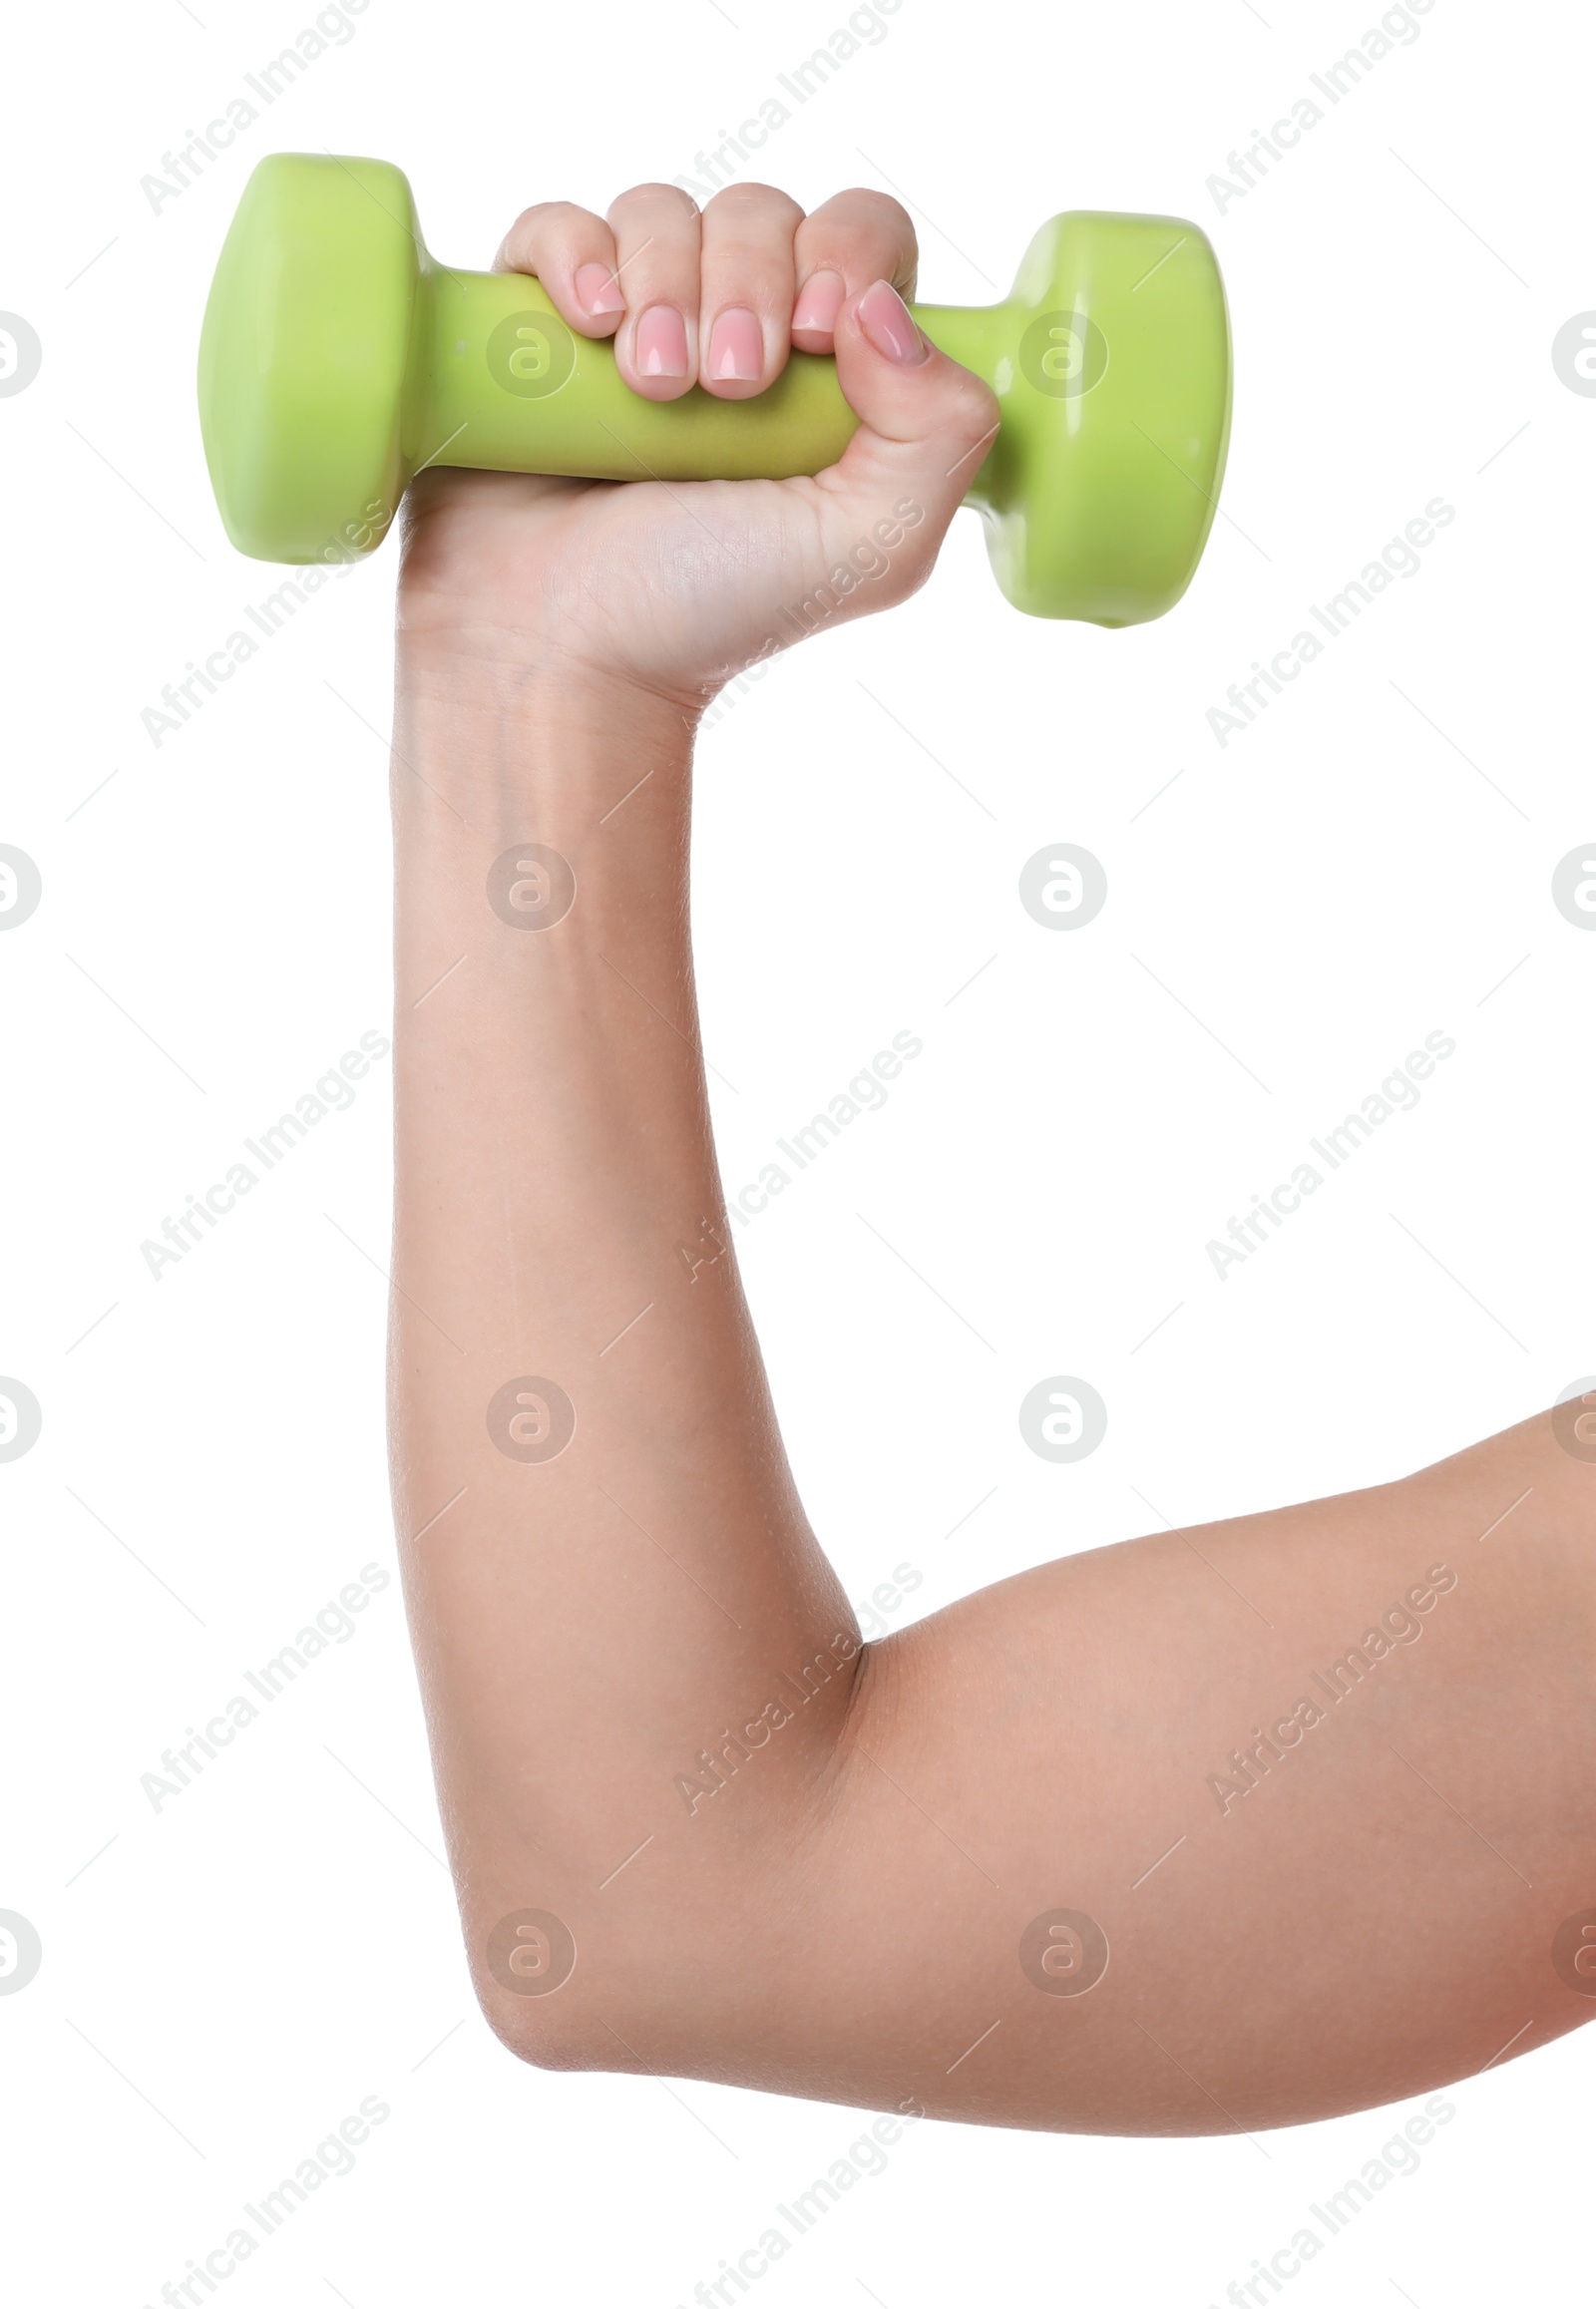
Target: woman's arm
x,y
1224,1829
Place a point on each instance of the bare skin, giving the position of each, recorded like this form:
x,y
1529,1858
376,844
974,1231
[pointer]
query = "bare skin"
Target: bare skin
x,y
786,1859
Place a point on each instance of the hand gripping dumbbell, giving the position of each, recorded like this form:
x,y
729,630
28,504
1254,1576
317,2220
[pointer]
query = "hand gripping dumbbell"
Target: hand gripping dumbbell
x,y
338,358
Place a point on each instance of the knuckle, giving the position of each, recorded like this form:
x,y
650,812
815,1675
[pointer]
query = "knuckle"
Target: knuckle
x,y
973,405
653,195
767,201
548,216
862,212
863,235
885,214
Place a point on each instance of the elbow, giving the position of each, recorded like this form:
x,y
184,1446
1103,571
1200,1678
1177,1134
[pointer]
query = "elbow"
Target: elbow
x,y
540,2040
528,1973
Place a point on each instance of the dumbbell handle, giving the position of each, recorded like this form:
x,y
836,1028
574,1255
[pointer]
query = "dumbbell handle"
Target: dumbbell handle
x,y
503,385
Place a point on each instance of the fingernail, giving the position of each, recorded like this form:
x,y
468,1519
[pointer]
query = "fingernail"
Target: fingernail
x,y
736,348
819,301
599,290
662,346
884,317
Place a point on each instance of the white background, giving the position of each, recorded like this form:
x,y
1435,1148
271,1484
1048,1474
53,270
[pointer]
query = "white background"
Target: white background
x,y
225,1980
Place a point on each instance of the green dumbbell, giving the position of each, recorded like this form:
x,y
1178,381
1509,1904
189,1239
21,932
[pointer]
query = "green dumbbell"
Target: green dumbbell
x,y
338,358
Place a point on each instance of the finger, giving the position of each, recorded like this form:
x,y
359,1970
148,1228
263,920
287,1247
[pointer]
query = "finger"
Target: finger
x,y
925,425
856,237
746,281
656,229
573,254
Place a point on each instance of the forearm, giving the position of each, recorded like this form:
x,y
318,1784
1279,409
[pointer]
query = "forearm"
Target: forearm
x,y
585,1620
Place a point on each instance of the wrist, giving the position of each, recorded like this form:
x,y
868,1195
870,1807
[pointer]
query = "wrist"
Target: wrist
x,y
475,678
467,716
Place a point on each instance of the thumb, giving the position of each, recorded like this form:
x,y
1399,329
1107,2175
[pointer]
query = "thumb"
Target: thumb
x,y
925,425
